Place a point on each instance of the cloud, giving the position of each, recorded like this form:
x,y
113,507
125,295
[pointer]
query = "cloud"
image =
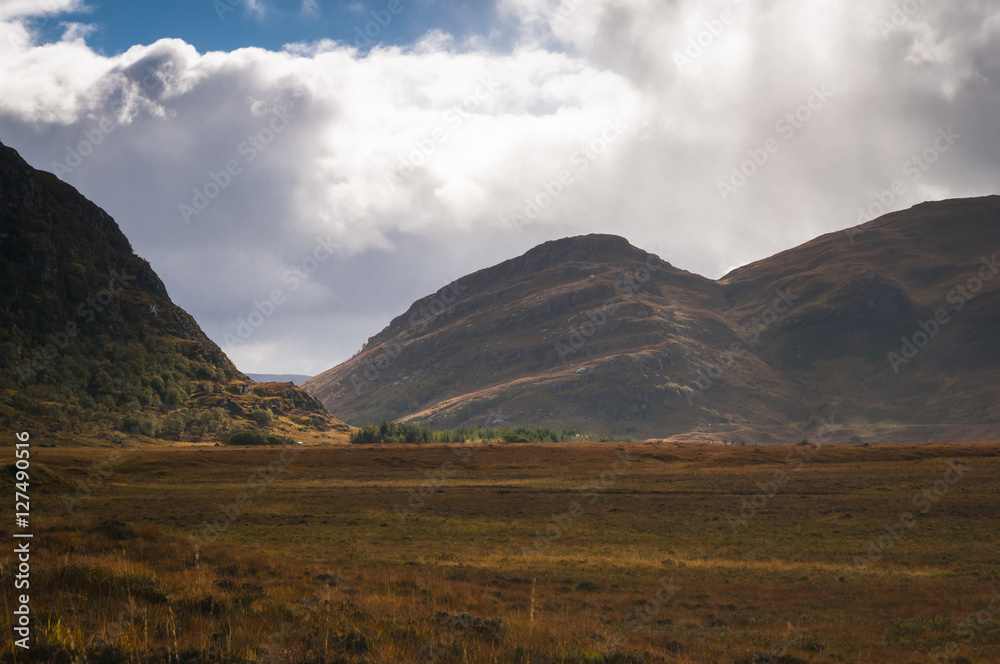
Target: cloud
x,y
256,8
422,163
15,9
310,9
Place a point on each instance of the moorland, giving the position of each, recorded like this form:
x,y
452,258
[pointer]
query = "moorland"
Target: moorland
x,y
523,553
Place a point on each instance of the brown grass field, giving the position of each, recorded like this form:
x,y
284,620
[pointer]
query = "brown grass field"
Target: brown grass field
x,y
522,554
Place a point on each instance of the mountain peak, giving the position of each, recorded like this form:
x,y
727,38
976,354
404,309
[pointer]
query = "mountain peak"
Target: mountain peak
x,y
594,248
590,242
591,333
568,256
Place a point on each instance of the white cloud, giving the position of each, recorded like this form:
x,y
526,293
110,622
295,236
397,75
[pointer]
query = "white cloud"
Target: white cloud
x,y
12,9
470,131
73,31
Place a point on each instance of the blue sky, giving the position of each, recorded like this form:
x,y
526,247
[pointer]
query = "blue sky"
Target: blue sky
x,y
226,25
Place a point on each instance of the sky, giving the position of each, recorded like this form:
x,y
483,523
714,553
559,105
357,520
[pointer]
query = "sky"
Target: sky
x,y
299,172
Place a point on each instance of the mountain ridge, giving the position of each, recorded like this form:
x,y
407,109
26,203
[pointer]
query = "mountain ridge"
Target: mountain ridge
x,y
811,328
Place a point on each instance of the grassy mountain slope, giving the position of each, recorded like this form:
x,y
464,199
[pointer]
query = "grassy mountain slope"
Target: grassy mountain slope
x,y
862,293
592,333
587,333
91,346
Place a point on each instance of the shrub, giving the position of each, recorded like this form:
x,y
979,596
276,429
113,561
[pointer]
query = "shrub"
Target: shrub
x,y
173,425
390,433
209,421
175,397
262,416
139,424
244,437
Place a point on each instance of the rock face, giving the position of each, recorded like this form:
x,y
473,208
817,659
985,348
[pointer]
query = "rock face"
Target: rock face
x,y
591,333
89,338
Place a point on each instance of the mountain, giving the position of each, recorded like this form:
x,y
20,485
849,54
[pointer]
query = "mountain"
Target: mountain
x,y
298,379
587,333
91,346
896,322
591,333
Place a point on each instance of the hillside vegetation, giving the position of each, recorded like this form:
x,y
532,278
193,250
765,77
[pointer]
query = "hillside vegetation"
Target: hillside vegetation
x,y
388,433
91,346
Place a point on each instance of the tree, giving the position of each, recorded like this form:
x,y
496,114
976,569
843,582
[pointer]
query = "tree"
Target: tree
x,y
262,416
173,425
140,424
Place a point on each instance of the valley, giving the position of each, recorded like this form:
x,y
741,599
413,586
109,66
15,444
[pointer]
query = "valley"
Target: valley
x,y
502,332
577,554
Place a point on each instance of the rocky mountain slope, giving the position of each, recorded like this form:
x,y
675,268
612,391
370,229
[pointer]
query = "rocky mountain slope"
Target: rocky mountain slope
x,y
897,319
91,346
594,334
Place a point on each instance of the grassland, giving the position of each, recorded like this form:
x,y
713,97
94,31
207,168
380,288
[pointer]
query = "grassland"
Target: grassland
x,y
527,554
